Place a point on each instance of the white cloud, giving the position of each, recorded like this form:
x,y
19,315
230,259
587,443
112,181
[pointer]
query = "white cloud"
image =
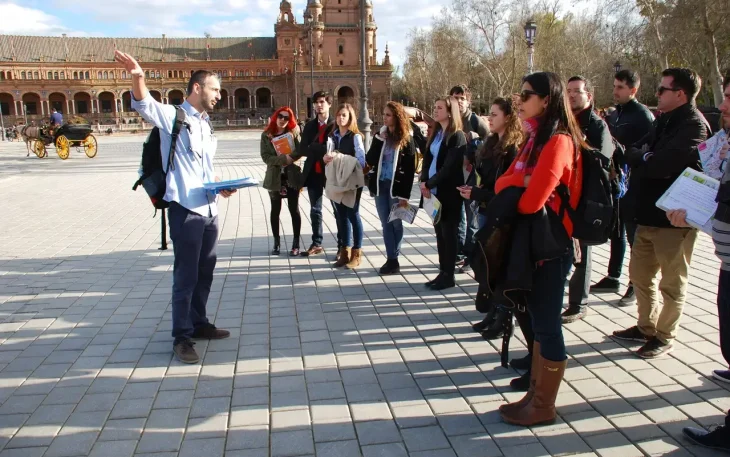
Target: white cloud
x,y
19,20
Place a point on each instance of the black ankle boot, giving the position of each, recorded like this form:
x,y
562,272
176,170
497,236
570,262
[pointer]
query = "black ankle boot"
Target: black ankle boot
x,y
522,383
277,246
521,364
496,329
479,327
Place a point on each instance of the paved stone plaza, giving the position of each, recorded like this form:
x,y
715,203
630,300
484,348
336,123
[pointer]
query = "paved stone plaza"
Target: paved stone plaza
x,y
324,362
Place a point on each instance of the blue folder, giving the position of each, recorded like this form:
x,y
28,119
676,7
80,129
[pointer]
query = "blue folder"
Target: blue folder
x,y
216,187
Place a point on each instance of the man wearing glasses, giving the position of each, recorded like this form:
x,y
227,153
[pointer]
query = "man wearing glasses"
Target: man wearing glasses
x,y
193,211
580,95
657,160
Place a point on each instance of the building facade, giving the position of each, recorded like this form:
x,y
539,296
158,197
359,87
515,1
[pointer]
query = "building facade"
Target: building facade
x,y
78,76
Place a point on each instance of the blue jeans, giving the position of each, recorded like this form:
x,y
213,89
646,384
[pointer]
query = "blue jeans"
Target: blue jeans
x,y
392,231
626,230
545,304
349,217
467,229
482,218
315,213
194,240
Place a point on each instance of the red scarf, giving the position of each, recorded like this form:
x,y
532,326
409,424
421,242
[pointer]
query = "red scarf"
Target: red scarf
x,y
320,139
530,127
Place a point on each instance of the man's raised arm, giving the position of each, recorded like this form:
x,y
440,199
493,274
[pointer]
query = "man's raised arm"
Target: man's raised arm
x,y
155,113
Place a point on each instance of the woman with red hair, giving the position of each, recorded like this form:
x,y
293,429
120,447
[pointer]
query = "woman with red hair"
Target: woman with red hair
x,y
283,177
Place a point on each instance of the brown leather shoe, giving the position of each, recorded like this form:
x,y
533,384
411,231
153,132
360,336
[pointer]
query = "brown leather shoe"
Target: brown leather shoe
x,y
541,407
185,352
534,371
313,250
355,259
210,332
343,256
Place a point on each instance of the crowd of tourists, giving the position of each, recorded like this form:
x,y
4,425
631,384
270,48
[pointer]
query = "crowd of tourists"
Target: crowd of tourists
x,y
513,194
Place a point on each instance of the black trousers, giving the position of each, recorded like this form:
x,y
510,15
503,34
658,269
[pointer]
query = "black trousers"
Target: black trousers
x,y
447,242
580,282
292,197
194,241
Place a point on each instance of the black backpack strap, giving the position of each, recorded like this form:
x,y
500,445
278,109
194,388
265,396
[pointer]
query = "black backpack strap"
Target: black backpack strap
x,y
176,126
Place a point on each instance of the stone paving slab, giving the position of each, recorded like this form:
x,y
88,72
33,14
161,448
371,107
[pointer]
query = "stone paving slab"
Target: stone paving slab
x,y
321,362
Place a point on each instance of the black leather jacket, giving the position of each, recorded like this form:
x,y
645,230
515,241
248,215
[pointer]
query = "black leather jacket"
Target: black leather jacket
x,y
510,245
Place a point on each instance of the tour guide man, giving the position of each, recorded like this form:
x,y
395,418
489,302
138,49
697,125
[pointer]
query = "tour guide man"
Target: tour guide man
x,y
193,211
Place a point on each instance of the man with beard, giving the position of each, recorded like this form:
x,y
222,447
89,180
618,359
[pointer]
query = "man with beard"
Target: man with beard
x,y
580,94
193,211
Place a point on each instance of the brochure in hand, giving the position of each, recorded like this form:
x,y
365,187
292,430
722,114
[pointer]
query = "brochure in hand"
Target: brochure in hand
x,y
694,192
216,187
407,214
284,144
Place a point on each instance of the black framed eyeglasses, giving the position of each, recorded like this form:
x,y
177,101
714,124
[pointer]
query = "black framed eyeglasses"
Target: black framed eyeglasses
x,y
661,89
526,94
283,116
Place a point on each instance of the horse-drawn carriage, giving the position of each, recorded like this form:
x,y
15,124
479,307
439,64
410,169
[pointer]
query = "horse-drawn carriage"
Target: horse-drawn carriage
x,y
63,138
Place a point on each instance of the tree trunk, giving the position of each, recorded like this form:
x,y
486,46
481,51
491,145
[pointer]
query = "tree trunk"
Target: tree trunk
x,y
715,79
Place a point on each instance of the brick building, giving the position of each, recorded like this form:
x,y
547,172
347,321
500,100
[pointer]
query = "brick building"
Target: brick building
x,y
79,76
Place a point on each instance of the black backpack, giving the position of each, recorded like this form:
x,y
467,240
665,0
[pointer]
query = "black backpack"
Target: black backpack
x,y
153,176
593,219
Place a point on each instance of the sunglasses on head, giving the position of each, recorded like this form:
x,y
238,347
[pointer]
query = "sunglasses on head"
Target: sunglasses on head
x,y
283,116
526,94
661,89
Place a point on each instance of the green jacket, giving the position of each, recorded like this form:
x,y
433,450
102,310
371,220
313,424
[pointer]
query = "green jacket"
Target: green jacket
x,y
274,162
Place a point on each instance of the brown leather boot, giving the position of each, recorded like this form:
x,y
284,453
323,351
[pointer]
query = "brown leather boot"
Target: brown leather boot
x,y
355,259
541,407
342,257
534,371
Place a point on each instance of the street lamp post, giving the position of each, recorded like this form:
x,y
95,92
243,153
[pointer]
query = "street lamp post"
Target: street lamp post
x,y
310,24
530,33
364,121
2,124
616,67
296,93
286,76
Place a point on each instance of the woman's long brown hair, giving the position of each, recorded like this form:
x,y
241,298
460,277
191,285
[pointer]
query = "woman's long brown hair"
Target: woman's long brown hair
x,y
352,124
402,127
455,124
513,135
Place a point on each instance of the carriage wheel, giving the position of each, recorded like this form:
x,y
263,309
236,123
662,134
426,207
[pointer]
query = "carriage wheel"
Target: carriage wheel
x,y
63,147
90,146
419,162
39,149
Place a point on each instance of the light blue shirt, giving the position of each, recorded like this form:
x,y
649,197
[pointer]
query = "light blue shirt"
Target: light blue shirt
x,y
386,167
193,164
434,149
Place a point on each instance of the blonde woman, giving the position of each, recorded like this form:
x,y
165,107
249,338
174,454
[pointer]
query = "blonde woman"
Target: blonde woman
x,y
348,140
442,176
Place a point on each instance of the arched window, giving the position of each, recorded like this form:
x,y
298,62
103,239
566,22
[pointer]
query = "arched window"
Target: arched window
x,y
174,73
98,75
106,75
225,73
50,75
36,75
55,75
76,75
63,75
86,75
270,73
341,49
147,74
158,74
22,75
124,74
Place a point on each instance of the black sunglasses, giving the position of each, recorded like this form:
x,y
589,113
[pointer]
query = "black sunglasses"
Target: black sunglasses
x,y
661,89
526,94
283,116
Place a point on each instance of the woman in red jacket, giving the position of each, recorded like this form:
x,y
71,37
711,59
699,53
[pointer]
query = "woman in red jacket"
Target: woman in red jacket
x,y
550,157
